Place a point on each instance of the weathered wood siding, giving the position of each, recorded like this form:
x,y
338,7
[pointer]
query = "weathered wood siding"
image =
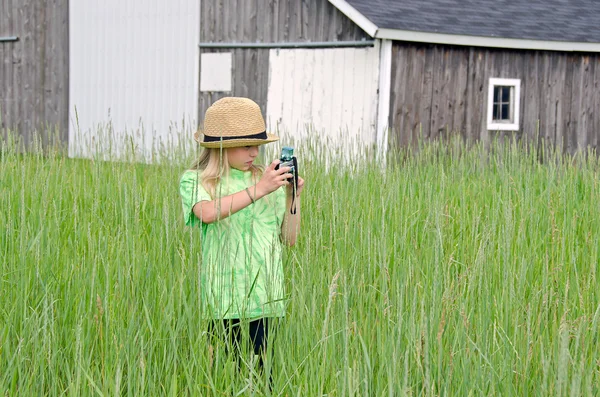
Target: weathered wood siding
x,y
266,21
34,71
437,90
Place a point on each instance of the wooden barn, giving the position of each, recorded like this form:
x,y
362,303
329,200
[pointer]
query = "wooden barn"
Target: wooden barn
x,y
530,68
355,71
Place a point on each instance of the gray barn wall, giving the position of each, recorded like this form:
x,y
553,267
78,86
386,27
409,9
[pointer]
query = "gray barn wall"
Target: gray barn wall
x,y
34,71
438,89
250,21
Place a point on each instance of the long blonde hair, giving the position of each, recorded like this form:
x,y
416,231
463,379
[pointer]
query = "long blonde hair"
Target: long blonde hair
x,y
213,165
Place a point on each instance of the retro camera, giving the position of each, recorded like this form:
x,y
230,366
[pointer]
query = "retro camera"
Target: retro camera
x,y
289,160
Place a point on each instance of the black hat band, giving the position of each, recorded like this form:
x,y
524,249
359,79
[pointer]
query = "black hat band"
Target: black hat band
x,y
262,135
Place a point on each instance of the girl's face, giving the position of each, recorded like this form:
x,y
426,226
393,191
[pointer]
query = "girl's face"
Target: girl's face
x,y
241,158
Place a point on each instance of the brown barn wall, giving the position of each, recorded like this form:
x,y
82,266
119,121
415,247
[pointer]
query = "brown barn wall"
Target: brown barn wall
x,y
439,90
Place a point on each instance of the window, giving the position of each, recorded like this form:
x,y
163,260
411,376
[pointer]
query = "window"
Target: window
x,y
503,104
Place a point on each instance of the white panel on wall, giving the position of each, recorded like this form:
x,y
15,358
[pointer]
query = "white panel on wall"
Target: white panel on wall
x,y
327,92
133,76
215,74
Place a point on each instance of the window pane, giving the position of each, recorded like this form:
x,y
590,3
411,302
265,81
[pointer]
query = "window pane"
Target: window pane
x,y
497,94
505,94
505,111
495,110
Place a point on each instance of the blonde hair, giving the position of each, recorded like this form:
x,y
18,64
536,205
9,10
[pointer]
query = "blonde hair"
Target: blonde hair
x,y
213,165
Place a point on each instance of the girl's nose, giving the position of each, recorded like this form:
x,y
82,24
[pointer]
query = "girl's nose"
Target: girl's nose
x,y
254,151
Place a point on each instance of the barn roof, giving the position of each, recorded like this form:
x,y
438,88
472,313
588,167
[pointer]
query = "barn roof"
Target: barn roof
x,y
567,25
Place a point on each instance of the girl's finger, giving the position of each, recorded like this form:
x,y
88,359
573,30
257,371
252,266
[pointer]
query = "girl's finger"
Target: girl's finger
x,y
283,170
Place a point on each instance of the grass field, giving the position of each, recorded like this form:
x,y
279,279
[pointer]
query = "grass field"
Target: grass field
x,y
454,272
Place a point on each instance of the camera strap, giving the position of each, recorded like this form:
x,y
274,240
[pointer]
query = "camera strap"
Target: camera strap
x,y
294,186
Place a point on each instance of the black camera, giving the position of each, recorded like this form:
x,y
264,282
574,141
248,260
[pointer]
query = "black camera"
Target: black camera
x,y
289,160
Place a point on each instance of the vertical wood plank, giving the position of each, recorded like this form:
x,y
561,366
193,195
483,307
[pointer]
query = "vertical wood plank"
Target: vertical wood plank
x,y
397,96
372,115
480,95
305,20
318,29
275,90
460,64
530,94
306,88
356,119
288,88
576,107
328,99
422,124
284,24
544,101
318,93
337,109
220,27
556,116
564,129
585,110
594,130
274,30
470,96
418,96
395,91
438,99
294,20
411,81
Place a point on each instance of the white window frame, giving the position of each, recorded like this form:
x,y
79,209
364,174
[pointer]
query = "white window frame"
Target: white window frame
x,y
493,125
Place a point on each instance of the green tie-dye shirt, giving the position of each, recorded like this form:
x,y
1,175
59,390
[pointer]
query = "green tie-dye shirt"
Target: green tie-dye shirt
x,y
241,272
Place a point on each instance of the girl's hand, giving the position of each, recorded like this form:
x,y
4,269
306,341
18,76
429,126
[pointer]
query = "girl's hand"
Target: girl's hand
x,y
272,179
290,187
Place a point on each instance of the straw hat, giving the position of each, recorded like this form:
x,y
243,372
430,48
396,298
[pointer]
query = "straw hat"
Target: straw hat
x,y
234,122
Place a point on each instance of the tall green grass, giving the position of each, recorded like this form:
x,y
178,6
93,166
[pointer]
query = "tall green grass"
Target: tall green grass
x,y
453,270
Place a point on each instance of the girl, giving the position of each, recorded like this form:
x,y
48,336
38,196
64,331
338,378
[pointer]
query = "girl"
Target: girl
x,y
245,213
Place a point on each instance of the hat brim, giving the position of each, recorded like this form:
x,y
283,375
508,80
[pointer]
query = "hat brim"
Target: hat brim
x,y
229,143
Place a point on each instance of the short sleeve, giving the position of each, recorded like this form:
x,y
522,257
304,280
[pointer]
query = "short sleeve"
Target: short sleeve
x,y
192,192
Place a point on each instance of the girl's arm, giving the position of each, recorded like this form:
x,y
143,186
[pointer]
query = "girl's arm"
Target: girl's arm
x,y
212,211
215,210
291,222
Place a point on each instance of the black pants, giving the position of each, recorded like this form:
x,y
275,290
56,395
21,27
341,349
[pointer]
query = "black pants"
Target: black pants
x,y
229,331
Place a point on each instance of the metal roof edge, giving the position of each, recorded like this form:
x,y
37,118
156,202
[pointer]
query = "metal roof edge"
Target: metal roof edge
x,y
355,16
482,41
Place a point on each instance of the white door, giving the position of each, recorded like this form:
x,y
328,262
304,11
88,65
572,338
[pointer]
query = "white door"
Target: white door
x,y
133,76
324,94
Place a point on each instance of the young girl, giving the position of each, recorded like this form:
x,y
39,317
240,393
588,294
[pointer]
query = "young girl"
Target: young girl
x,y
245,214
